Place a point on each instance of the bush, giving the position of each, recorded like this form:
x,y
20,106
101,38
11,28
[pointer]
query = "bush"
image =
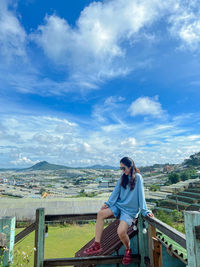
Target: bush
x,y
184,176
154,187
177,216
164,217
174,178
174,216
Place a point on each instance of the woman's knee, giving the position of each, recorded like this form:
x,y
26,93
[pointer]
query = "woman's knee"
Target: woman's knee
x,y
101,214
121,231
104,213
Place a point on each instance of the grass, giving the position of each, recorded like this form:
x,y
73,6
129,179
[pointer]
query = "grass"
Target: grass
x,y
62,242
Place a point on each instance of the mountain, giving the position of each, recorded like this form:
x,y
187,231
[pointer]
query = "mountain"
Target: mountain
x,y
194,160
102,167
45,166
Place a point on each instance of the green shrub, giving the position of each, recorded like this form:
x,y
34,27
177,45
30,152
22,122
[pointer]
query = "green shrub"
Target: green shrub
x,y
174,178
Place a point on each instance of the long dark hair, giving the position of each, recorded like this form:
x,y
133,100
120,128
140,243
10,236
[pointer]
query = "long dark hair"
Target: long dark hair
x,y
128,162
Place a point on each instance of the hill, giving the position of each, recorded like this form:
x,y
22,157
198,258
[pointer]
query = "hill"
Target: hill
x,y
194,160
101,167
45,166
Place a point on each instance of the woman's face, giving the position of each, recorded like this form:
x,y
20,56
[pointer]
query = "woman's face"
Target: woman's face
x,y
125,169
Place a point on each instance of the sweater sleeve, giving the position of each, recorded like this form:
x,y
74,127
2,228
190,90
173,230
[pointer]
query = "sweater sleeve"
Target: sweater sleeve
x,y
142,201
114,195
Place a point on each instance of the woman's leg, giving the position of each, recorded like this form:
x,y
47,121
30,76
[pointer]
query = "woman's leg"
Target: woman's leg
x,y
101,215
95,247
122,233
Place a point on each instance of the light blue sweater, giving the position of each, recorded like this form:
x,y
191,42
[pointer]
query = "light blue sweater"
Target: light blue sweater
x,y
131,202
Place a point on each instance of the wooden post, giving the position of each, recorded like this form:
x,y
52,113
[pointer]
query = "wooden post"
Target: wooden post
x,y
143,242
155,247
151,234
192,223
7,230
157,253
39,238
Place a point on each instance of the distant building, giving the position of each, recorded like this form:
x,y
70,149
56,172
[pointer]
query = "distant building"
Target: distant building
x,y
13,182
106,184
19,183
34,196
103,184
168,168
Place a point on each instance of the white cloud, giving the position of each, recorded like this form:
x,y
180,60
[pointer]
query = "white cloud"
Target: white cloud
x,y
146,106
92,49
185,24
131,141
100,46
87,147
12,34
193,137
102,112
20,160
112,128
41,138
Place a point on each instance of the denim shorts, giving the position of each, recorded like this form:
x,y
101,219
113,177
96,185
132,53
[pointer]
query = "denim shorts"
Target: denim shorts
x,y
123,216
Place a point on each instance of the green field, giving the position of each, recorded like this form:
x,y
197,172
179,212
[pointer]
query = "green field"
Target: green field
x,y
62,242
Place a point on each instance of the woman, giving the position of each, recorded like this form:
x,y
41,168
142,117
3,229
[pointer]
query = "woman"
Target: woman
x,y
127,199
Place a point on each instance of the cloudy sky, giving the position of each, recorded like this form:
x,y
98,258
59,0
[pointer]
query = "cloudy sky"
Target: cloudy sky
x,y
88,82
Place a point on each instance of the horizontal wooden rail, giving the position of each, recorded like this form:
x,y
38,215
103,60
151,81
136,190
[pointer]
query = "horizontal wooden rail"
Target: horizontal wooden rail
x,y
88,260
172,233
163,227
25,232
71,217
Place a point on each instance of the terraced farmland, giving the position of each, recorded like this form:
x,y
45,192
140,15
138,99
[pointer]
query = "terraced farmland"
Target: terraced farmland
x,y
189,199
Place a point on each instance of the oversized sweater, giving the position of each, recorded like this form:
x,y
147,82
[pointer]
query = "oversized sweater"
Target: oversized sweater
x,y
131,202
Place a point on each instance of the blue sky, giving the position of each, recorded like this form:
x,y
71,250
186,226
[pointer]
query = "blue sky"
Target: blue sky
x,y
85,82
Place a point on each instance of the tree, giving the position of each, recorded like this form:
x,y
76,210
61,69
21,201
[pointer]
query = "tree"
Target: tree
x,y
194,160
174,178
184,176
177,215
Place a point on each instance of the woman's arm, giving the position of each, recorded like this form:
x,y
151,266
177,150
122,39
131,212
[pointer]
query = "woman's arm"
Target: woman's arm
x,y
142,201
114,195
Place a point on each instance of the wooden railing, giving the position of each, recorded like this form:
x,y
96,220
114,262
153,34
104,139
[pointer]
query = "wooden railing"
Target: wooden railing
x,y
97,260
149,245
155,243
166,229
25,232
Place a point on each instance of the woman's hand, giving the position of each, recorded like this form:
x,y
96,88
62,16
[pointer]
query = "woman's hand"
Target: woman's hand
x,y
150,214
104,207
